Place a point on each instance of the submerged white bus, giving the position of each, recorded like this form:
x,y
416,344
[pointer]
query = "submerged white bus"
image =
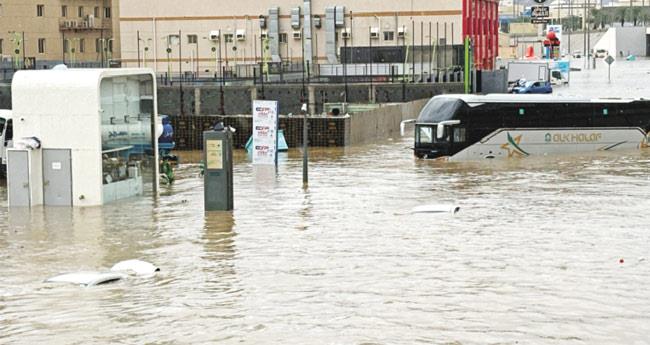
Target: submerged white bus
x,y
471,127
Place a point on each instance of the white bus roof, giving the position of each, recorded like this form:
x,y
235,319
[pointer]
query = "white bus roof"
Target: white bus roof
x,y
475,100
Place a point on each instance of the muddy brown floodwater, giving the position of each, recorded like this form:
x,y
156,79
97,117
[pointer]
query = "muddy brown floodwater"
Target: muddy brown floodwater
x,y
532,257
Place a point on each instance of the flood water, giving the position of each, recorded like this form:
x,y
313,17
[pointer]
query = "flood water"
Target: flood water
x,y
532,257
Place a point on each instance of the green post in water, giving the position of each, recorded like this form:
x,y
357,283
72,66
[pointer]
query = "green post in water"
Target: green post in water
x,y
467,65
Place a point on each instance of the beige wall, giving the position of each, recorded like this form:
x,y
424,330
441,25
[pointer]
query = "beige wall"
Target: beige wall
x,y
21,16
156,19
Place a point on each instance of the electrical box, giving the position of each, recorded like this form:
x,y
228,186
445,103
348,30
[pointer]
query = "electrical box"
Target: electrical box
x,y
317,22
401,32
297,35
215,35
346,33
240,34
218,177
374,33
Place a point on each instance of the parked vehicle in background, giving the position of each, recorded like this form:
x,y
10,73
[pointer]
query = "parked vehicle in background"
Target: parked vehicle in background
x,y
601,53
557,78
577,54
533,87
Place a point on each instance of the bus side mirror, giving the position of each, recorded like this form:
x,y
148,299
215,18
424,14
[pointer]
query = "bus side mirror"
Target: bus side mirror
x,y
440,129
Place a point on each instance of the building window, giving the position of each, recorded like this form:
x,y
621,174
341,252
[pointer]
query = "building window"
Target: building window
x,y
284,38
98,45
1,41
40,9
107,12
192,39
389,35
81,12
82,45
110,46
64,11
96,12
228,38
41,45
66,46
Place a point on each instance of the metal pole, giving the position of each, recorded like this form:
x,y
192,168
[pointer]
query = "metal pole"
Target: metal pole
x,y
345,69
370,60
63,47
138,48
305,150
180,71
222,109
24,48
413,52
421,52
430,54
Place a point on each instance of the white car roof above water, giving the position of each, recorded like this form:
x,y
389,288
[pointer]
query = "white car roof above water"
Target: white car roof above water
x,y
473,100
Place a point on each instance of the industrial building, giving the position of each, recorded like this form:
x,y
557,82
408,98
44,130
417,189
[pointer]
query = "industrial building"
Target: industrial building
x,y
43,33
206,38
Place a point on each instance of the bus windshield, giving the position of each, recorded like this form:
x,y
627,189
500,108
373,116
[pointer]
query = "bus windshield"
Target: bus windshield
x,y
439,109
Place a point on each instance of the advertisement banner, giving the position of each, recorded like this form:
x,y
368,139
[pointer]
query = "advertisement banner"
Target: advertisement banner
x,y
265,132
557,29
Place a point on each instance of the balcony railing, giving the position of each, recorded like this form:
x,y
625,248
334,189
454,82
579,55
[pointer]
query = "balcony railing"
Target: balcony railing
x,y
88,23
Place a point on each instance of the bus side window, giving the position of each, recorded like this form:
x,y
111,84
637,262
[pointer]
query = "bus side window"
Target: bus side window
x,y
459,134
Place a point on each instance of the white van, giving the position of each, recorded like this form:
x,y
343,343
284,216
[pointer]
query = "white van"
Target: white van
x,y
6,137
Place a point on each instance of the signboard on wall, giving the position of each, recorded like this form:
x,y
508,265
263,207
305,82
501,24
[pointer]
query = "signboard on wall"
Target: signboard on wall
x,y
265,132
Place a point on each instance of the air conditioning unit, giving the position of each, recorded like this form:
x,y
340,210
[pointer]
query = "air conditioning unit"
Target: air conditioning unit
x,y
215,35
264,35
374,33
240,34
297,35
401,32
346,33
262,22
317,22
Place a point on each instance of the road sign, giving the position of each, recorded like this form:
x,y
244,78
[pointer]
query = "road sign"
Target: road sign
x,y
540,12
609,59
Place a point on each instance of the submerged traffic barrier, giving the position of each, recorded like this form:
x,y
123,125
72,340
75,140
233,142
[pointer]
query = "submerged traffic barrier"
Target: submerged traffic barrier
x,y
117,272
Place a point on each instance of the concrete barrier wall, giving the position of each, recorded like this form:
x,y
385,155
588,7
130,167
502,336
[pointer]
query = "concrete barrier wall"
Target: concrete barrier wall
x,y
324,131
382,123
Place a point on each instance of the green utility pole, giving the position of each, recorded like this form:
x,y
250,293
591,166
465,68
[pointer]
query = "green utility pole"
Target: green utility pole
x,y
467,65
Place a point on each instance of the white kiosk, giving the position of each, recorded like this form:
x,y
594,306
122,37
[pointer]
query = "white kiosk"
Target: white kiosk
x,y
82,137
